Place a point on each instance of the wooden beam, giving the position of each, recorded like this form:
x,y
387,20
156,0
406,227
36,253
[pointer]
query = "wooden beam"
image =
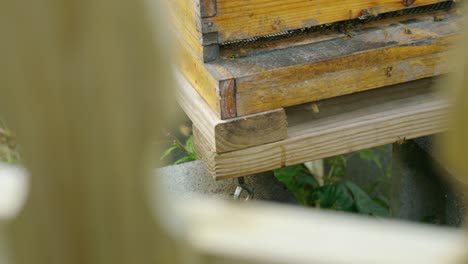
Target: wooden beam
x,y
231,134
207,8
185,18
231,233
85,124
342,125
181,22
204,77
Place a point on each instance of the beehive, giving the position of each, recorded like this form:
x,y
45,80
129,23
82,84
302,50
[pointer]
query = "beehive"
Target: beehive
x,y
207,24
243,64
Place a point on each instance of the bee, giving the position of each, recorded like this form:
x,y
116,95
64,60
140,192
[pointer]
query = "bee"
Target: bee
x,y
365,14
407,30
315,108
276,25
408,2
389,71
401,141
243,52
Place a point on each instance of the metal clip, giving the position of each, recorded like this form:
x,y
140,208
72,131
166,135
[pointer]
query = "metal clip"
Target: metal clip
x,y
241,188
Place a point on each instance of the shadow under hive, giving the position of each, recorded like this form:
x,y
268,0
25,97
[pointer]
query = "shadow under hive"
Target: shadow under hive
x,y
273,83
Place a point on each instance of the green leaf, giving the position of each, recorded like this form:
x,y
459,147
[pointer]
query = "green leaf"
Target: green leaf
x,y
184,159
287,175
382,180
370,155
334,197
337,168
296,175
191,148
168,151
338,172
364,204
189,145
298,180
338,161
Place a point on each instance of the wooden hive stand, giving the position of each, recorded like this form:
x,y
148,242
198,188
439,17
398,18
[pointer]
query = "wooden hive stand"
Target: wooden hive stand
x,y
273,83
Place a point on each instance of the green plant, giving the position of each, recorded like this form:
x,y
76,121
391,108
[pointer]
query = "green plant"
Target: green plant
x,y
336,192
187,148
8,147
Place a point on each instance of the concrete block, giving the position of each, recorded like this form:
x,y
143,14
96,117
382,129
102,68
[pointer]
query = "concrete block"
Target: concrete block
x,y
421,192
185,180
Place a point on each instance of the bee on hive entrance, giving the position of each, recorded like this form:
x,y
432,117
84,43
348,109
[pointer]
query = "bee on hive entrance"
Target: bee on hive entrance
x,y
389,71
314,107
401,140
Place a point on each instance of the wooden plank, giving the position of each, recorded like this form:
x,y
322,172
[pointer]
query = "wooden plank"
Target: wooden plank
x,y
186,13
201,76
208,8
284,234
185,18
401,50
377,55
231,134
343,125
181,24
265,45
342,82
85,124
240,19
212,81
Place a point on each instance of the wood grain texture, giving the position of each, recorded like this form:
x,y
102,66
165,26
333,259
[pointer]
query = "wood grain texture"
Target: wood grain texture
x,y
185,19
91,78
232,134
179,23
208,8
265,45
227,92
377,55
285,233
344,124
400,51
184,16
241,19
206,78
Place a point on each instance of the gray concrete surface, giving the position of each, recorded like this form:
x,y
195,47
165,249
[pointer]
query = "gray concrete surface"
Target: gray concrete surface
x,y
420,192
191,178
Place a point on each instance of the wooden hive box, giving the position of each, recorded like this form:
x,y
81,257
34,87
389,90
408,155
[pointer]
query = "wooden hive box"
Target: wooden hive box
x,y
205,24
242,71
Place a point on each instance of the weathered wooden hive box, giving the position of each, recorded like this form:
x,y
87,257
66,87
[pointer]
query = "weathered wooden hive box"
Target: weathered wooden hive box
x,y
261,78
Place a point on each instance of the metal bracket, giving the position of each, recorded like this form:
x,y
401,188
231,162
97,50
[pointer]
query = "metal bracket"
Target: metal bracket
x,y
242,187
